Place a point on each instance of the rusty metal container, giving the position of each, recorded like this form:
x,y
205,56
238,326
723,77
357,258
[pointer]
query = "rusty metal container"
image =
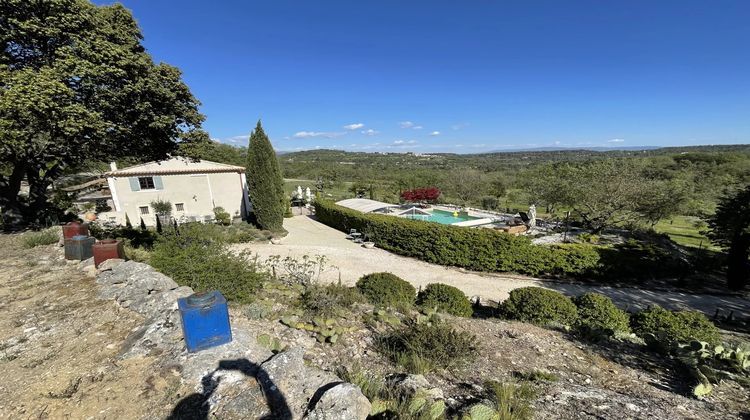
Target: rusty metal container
x,y
79,248
107,249
72,229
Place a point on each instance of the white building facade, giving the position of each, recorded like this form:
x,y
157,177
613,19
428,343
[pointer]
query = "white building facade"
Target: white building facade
x,y
194,189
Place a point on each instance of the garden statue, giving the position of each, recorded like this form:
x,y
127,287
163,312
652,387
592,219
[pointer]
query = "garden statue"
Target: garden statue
x,y
532,217
308,195
299,193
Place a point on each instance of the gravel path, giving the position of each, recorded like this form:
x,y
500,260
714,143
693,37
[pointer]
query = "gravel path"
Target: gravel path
x,y
350,261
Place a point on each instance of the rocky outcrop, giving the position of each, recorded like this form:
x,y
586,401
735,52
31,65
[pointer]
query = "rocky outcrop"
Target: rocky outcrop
x,y
342,402
240,379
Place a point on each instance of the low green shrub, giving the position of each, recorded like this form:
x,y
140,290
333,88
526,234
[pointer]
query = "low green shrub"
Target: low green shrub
x,y
598,316
421,348
539,306
445,298
136,254
386,289
674,326
205,264
232,234
329,300
222,216
137,238
42,237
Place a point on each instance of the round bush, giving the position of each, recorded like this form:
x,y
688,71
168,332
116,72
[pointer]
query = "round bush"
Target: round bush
x,y
445,298
679,326
539,306
597,314
386,289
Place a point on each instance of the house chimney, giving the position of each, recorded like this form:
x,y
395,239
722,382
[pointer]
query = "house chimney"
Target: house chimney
x,y
113,166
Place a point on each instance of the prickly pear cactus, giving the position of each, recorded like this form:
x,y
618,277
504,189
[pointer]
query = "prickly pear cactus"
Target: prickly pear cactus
x,y
482,412
271,343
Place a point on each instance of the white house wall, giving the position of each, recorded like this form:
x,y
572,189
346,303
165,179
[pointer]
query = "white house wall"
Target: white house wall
x,y
199,193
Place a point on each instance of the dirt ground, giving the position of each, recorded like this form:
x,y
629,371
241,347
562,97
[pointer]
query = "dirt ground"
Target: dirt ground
x,y
59,345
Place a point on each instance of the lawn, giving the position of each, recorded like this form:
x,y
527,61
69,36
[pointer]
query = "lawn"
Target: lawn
x,y
683,230
338,192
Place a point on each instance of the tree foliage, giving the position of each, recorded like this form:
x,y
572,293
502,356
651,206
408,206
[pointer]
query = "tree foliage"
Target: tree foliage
x,y
265,185
77,86
430,194
730,228
604,193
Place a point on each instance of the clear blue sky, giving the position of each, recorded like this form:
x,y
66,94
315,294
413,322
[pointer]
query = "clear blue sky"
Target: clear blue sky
x,y
461,76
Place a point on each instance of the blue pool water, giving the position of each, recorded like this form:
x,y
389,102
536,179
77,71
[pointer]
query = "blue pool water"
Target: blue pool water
x,y
441,216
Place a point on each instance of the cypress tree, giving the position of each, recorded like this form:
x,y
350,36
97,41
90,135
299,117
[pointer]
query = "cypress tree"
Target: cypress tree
x,y
158,224
264,183
143,224
127,222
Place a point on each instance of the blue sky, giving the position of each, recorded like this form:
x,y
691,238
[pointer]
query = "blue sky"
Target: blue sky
x,y
461,77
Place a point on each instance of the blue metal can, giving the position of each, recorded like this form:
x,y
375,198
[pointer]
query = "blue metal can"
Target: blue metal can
x,y
205,320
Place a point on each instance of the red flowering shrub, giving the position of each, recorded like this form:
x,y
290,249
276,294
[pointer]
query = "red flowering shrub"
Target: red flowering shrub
x,y
430,194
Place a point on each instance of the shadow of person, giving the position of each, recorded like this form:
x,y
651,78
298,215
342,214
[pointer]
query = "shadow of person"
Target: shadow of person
x,y
196,407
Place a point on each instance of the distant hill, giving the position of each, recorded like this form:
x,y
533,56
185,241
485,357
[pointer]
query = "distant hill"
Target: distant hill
x,y
562,149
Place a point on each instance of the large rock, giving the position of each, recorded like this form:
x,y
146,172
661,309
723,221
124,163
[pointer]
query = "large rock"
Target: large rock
x,y
110,264
285,377
240,379
342,402
411,385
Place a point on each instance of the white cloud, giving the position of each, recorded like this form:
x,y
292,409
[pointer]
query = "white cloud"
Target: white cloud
x,y
324,134
370,132
234,140
355,126
459,126
435,133
406,124
417,127
616,141
404,142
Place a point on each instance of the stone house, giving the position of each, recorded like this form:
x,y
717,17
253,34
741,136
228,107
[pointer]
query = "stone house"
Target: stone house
x,y
194,188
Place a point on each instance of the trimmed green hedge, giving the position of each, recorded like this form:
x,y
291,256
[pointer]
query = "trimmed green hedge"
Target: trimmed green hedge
x,y
474,249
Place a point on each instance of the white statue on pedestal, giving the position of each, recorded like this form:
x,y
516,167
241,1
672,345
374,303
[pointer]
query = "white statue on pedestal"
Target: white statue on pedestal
x,y
532,217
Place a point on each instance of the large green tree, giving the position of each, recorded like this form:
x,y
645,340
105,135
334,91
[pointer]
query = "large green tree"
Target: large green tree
x,y
76,87
730,229
605,193
264,182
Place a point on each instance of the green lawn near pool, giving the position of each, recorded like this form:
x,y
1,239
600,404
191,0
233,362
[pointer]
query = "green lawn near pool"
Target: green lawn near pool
x,y
683,230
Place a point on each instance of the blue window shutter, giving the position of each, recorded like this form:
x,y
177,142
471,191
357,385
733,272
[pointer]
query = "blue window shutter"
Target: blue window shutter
x,y
157,183
134,185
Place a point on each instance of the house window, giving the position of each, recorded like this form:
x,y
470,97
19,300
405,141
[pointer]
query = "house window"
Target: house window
x,y
179,206
146,182
143,209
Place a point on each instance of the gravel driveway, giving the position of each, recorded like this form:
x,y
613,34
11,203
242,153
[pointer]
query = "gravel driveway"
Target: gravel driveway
x,y
350,261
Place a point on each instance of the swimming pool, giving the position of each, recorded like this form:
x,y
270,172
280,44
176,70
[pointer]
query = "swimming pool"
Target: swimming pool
x,y
441,216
